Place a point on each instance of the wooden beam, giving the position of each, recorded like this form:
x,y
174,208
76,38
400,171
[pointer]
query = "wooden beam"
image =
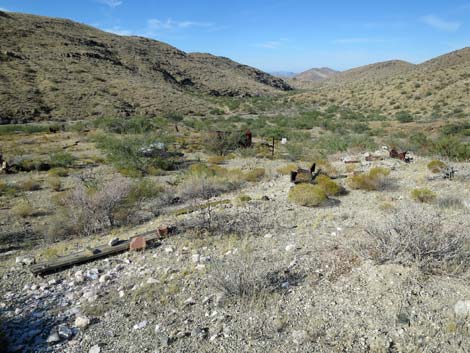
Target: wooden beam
x,y
87,256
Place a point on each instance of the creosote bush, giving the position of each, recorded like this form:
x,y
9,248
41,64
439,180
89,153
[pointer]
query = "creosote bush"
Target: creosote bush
x,y
255,175
29,185
375,179
423,195
285,170
22,209
54,183
58,172
414,236
436,166
307,195
330,187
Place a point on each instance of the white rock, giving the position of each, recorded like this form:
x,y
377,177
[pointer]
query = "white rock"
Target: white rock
x,y
168,250
290,247
299,336
268,236
140,325
152,281
53,337
196,258
190,301
104,278
64,331
200,267
18,311
121,293
82,322
95,349
462,308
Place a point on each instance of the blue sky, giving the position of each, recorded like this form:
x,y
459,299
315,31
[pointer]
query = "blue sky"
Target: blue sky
x,y
280,34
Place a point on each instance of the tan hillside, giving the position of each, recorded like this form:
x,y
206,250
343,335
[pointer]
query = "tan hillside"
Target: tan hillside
x,y
316,74
59,69
437,87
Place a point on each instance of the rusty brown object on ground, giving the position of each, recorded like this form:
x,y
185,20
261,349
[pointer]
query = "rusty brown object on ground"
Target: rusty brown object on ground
x,y
400,155
308,174
138,243
372,158
98,252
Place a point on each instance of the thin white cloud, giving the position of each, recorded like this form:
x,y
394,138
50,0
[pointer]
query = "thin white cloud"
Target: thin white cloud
x,y
357,40
111,3
269,45
4,9
440,24
272,44
169,24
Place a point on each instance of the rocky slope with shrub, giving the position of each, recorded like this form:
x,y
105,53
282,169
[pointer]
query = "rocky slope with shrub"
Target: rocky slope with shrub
x,y
58,69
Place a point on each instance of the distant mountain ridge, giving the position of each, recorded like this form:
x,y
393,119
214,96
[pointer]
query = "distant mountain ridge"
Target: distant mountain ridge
x,y
59,69
316,74
438,87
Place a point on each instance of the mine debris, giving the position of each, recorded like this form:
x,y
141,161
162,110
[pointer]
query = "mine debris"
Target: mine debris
x,y
102,251
449,173
304,175
400,155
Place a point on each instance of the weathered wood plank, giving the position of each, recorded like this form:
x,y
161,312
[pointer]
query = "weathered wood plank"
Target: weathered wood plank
x,y
87,256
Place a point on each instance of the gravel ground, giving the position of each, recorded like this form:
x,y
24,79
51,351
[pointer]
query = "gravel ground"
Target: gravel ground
x,y
293,281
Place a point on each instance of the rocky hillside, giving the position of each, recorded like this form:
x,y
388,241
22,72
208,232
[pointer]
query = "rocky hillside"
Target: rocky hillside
x,y
58,69
438,87
316,74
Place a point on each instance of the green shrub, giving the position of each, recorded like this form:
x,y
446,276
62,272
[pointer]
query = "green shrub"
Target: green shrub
x,y
58,172
61,159
22,209
452,148
328,186
244,198
30,185
436,166
144,189
375,179
285,170
307,195
54,183
125,154
404,117
255,175
216,159
423,195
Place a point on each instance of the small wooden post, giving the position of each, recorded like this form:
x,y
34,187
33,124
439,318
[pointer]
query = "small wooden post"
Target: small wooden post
x,y
273,148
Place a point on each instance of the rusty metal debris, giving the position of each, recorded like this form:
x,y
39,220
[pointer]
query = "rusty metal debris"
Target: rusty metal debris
x,y
304,175
102,251
400,155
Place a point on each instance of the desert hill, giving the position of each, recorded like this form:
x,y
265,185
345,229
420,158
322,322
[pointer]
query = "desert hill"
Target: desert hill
x,y
316,74
438,87
59,69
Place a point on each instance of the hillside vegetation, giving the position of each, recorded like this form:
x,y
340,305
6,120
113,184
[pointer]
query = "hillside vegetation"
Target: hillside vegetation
x,y
58,69
437,88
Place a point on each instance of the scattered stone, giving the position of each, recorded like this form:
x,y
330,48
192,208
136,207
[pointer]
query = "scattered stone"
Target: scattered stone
x,y
138,243
299,336
18,311
462,308
114,242
268,236
53,337
104,278
196,258
95,349
152,281
290,247
140,325
64,331
121,293
82,322
200,333
169,250
25,260
189,301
